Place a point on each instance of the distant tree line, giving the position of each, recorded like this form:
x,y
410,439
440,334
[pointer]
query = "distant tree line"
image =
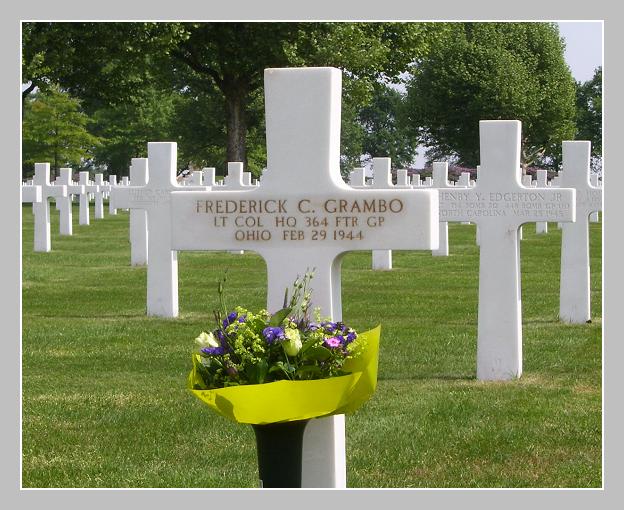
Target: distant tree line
x,y
94,94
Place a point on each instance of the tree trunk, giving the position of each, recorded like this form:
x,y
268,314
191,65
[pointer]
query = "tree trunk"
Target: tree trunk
x,y
236,127
25,93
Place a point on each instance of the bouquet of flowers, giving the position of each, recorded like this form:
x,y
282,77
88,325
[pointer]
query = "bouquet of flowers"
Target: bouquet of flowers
x,y
277,371
303,366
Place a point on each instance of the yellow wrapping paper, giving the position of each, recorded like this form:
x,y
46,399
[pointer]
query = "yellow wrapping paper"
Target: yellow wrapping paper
x,y
283,401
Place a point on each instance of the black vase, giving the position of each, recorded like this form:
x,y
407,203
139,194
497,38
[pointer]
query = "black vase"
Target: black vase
x,y
279,448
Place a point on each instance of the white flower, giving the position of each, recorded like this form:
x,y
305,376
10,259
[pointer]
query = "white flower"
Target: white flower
x,y
292,345
206,340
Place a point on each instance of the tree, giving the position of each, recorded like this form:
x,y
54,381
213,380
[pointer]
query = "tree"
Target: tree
x,y
54,129
108,64
589,114
483,71
126,128
384,130
233,56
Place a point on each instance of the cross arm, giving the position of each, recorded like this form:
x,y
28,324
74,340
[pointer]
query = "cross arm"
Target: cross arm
x,y
347,220
31,194
57,191
510,208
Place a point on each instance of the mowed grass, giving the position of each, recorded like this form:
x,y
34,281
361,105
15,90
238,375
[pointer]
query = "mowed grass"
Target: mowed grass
x,y
104,401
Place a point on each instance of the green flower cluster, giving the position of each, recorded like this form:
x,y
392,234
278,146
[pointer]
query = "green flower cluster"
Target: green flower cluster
x,y
256,348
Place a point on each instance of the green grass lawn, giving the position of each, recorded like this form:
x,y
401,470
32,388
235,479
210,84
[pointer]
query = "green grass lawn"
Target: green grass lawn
x,y
103,387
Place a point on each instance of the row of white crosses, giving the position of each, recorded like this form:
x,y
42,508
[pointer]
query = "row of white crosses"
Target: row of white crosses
x,y
62,190
499,204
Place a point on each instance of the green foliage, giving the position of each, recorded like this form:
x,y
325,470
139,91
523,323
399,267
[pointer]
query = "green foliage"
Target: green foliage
x,y
126,128
589,112
54,129
483,71
217,70
385,133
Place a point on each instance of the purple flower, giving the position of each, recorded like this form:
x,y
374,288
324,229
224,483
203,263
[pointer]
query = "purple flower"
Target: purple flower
x,y
271,334
242,318
313,326
229,319
329,326
213,351
332,342
352,335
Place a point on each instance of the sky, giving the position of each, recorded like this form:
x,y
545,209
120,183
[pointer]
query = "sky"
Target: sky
x,y
583,47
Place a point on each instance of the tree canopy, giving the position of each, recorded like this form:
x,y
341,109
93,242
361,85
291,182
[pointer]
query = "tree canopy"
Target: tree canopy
x,y
483,71
589,114
55,130
214,67
201,85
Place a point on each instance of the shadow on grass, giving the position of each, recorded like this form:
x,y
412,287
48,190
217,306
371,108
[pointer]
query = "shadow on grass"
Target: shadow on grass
x,y
433,377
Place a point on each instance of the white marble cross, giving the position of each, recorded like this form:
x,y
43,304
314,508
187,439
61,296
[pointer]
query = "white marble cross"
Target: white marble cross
x,y
235,178
440,181
541,227
112,183
464,182
209,176
574,296
357,178
196,178
99,196
83,211
31,193
593,180
527,182
64,204
155,198
304,216
499,204
41,209
403,179
382,179
138,217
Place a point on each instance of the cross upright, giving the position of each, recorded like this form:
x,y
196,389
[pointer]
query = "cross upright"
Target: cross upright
x,y
31,193
102,187
593,180
574,297
209,176
439,173
357,178
382,179
541,227
41,209
155,199
303,215
64,204
499,205
235,178
138,217
112,183
83,216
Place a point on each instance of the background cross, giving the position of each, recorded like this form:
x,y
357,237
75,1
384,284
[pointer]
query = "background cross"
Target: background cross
x,y
499,205
41,209
64,204
574,296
